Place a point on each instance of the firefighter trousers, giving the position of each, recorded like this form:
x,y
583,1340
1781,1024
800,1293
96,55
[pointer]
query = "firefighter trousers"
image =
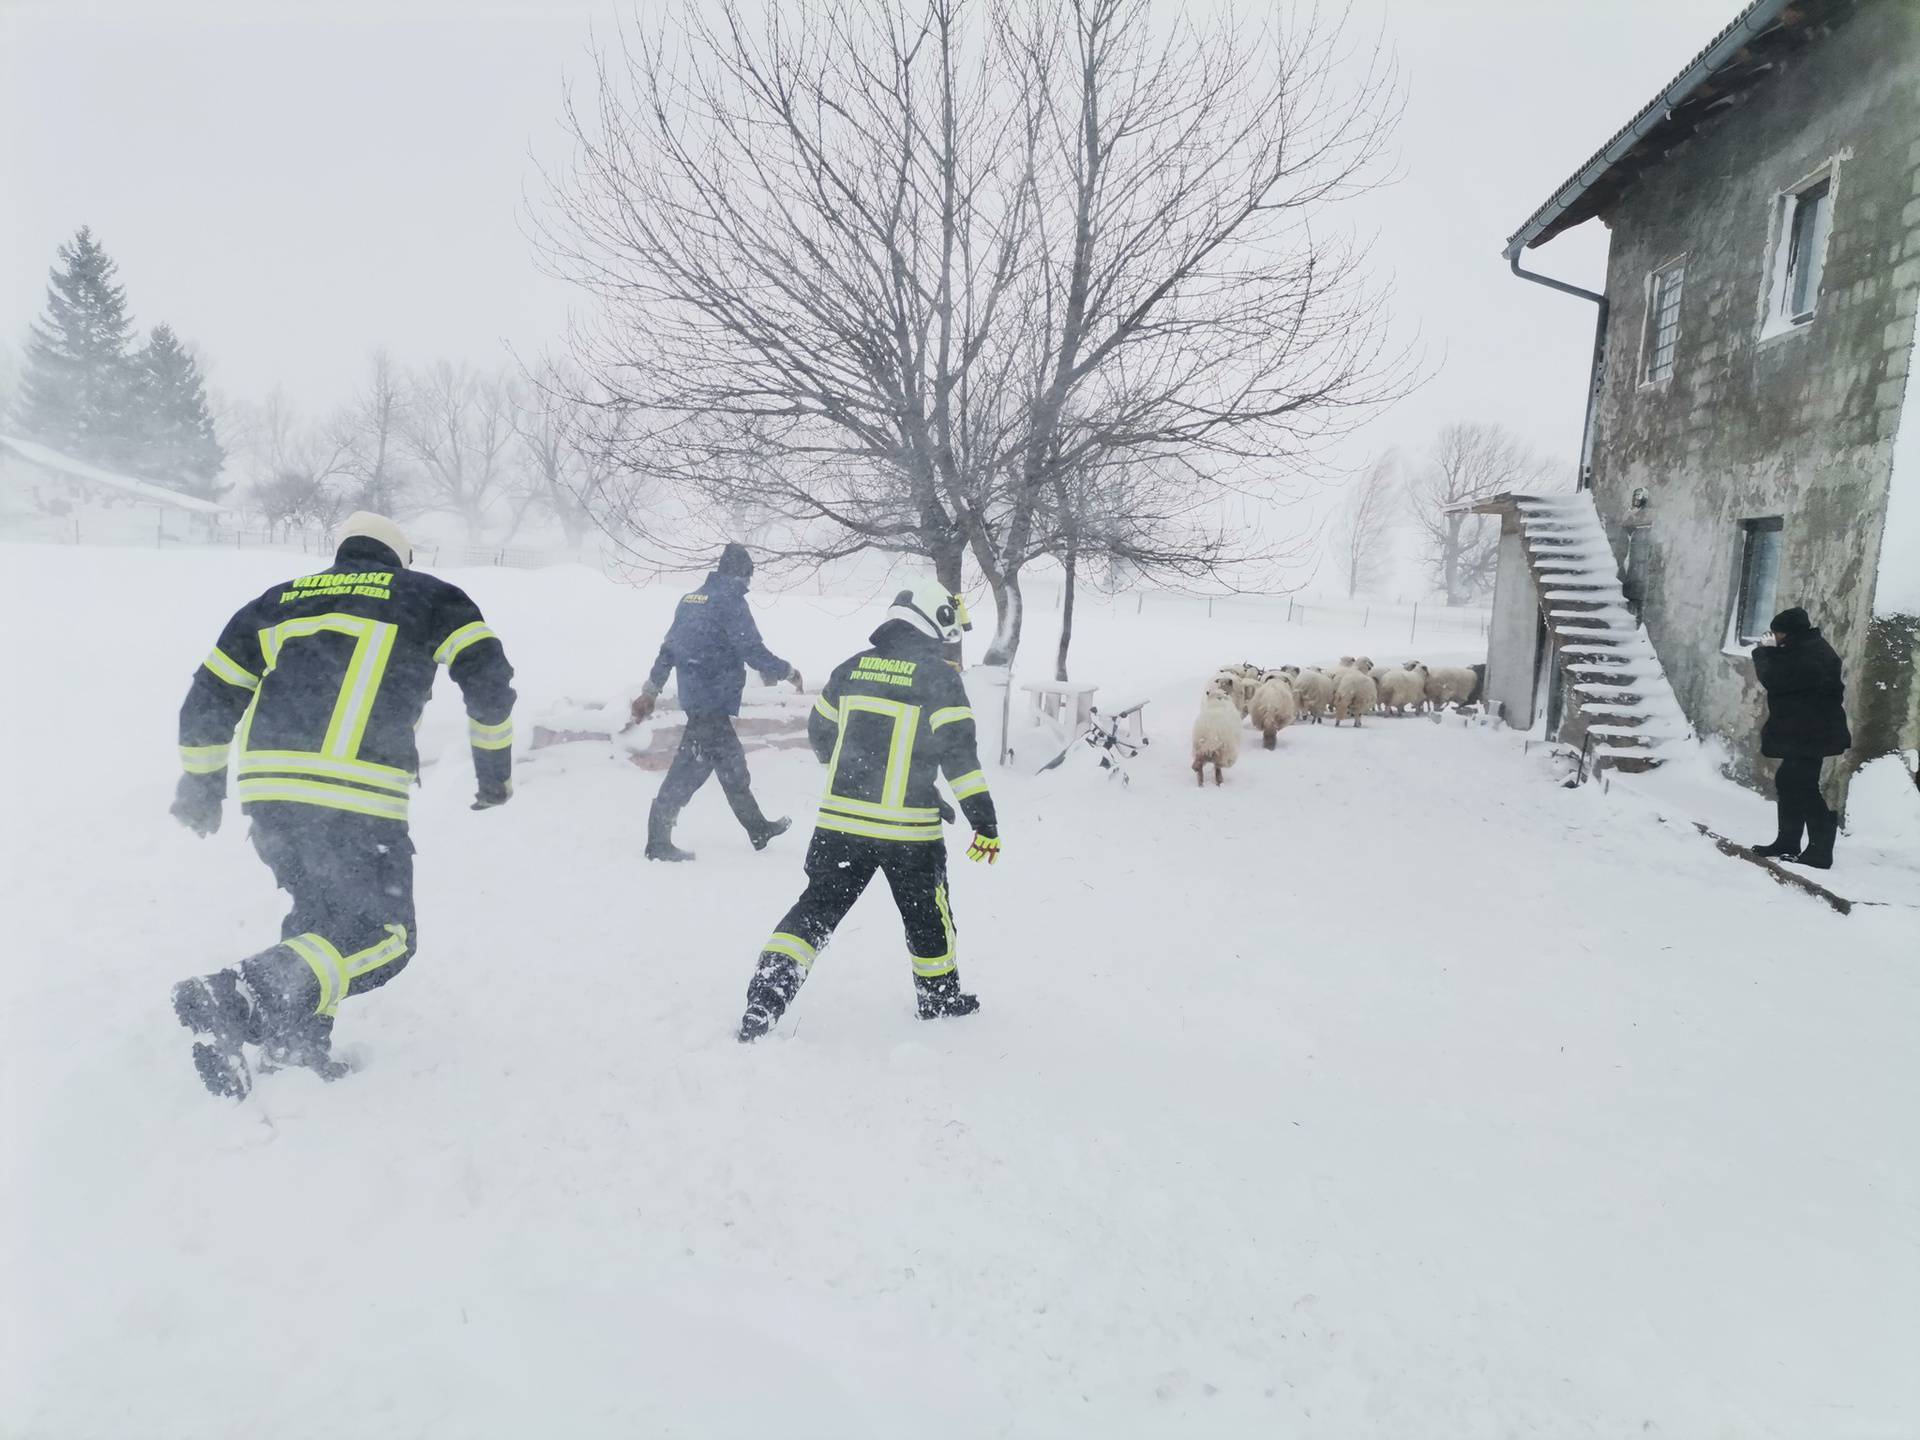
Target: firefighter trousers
x,y
708,746
351,928
839,868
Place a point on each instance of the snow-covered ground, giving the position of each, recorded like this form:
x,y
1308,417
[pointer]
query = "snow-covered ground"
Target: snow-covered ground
x,y
1391,1090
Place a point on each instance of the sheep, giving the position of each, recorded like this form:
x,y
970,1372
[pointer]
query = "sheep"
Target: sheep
x,y
1274,707
1313,690
1403,689
1242,680
1216,733
1354,695
1450,685
1364,665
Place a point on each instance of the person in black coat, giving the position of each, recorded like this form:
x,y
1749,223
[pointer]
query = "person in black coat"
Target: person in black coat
x,y
711,643
1806,722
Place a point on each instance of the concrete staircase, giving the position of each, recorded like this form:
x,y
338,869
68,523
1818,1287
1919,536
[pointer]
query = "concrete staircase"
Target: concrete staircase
x,y
1618,695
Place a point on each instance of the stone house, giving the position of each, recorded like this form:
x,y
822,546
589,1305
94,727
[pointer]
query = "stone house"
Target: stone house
x,y
1752,440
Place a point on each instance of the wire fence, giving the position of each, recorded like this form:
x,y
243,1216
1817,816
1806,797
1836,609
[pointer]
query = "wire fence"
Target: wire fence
x,y
1406,617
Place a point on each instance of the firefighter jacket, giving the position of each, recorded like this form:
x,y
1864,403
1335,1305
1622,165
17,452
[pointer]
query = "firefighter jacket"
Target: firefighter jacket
x,y
711,642
889,723
318,684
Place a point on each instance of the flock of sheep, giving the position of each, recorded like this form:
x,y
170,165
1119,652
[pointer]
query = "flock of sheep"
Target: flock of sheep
x,y
1275,699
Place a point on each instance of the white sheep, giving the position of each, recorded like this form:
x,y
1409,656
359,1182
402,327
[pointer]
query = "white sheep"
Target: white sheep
x,y
1354,695
1274,707
1313,691
1216,733
1403,689
1450,685
1241,681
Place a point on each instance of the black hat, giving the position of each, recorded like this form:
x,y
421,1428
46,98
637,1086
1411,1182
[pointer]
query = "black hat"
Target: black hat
x,y
736,562
1791,622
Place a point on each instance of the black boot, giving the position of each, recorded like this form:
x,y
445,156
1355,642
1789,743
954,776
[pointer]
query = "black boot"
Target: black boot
x,y
776,980
941,995
660,844
1821,834
306,1044
222,1007
767,831
1778,850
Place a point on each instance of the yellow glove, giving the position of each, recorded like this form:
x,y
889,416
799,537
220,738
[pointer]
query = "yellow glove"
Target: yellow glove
x,y
984,847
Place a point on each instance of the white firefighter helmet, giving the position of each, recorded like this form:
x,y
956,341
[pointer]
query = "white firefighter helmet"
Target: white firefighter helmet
x,y
932,609
364,523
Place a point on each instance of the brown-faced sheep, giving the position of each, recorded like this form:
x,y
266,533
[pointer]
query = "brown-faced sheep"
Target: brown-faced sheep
x,y
1354,695
1274,707
1216,733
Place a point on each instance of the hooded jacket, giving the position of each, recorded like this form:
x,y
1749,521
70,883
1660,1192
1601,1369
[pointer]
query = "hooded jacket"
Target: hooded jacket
x,y
1806,714
889,723
711,642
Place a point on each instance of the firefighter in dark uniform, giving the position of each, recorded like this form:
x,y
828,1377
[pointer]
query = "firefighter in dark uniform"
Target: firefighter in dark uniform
x,y
711,643
890,722
316,687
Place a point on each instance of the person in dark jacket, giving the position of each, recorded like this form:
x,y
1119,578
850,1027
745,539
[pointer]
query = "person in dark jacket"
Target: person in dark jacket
x,y
889,723
311,694
1806,722
711,643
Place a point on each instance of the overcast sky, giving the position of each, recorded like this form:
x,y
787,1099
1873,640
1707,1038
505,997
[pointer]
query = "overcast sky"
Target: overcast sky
x,y
291,184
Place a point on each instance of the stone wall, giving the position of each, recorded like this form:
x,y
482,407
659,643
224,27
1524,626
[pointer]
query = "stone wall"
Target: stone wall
x,y
1799,424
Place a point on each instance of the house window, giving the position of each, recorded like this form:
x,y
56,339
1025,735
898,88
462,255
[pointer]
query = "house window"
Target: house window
x,y
1759,578
1663,321
1800,254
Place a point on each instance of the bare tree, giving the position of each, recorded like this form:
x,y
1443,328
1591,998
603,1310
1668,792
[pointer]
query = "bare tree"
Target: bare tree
x,y
1469,462
910,274
459,429
568,468
370,430
1363,533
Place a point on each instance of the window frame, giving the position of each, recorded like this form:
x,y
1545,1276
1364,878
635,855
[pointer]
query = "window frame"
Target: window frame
x,y
1650,322
1785,262
1739,638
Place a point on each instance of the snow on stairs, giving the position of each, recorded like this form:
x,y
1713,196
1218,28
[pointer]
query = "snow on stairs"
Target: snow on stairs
x,y
1620,694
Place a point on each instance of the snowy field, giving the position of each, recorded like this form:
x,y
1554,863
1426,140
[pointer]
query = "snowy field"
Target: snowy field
x,y
1391,1090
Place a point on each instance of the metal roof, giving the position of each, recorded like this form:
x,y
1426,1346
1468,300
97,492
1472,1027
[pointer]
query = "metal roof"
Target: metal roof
x,y
1749,48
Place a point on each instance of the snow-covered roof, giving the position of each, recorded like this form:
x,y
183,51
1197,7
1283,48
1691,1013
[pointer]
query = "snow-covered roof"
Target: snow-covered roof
x,y
1746,51
46,458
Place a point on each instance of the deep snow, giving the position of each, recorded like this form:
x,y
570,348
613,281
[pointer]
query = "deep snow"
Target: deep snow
x,y
1390,1090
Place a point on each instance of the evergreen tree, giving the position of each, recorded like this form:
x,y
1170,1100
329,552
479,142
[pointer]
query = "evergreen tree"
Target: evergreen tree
x,y
176,445
76,394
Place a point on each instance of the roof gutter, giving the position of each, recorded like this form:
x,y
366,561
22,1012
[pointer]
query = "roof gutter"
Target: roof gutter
x,y
1599,366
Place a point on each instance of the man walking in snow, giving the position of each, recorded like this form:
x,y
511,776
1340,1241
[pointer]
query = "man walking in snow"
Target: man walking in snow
x,y
711,643
316,686
890,721
1806,722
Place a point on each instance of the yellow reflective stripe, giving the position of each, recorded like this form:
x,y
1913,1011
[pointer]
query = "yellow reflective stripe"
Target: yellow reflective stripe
x,y
364,673
971,783
374,956
223,668
781,943
325,767
949,716
332,797
900,814
327,966
900,758
490,737
876,830
827,710
203,759
471,633
932,965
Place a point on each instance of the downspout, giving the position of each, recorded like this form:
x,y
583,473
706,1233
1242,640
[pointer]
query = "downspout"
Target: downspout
x,y
1599,353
